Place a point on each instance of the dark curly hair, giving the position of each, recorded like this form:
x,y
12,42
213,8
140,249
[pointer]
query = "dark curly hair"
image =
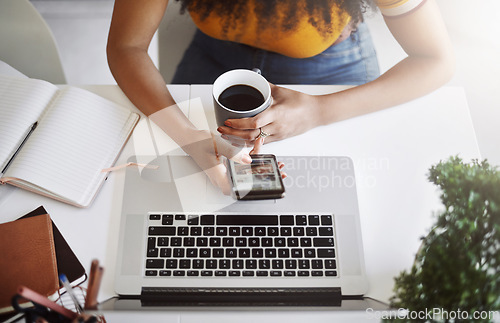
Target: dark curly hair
x,y
319,11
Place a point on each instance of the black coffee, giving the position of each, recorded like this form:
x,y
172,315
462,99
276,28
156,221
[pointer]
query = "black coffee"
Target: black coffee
x,y
241,98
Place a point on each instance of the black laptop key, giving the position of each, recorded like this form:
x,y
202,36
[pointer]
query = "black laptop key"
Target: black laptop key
x,y
196,231
228,242
257,253
289,273
237,264
198,264
151,273
247,220
221,232
330,264
283,253
323,242
205,252
326,220
211,264
309,253
179,273
313,219
151,242
165,273
231,253
272,231
193,220
311,231
260,231
304,264
247,231
167,219
241,242
215,242
298,231
326,253
155,217
165,252
286,220
267,242
331,273
292,242
161,231
316,273
180,217
279,242
275,273
286,231
193,273
176,242
301,219
208,231
248,273
277,264
185,263
201,242
220,273
305,242
183,231
153,252
291,264
270,253
178,252
253,242
218,253
303,273
189,242
251,264
296,253
171,263
207,219
316,264
234,273
224,264
244,253
234,231
264,264
191,252
326,231
162,242
207,273
262,273
155,263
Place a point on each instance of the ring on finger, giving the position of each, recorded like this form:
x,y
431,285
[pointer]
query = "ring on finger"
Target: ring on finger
x,y
262,134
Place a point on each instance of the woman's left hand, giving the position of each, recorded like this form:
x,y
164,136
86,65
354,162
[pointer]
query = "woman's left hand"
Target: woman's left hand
x,y
291,114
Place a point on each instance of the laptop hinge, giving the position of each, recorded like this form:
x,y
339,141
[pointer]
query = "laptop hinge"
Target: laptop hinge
x,y
161,296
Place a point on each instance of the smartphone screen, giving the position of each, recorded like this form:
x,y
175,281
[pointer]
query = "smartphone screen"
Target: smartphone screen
x,y
259,180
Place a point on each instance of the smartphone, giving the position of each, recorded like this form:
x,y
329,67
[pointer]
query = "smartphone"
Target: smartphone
x,y
256,181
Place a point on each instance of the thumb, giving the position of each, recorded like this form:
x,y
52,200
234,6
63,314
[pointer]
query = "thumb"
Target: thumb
x,y
236,154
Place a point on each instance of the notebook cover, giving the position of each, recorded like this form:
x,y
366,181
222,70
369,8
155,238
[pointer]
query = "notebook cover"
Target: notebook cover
x,y
67,262
27,257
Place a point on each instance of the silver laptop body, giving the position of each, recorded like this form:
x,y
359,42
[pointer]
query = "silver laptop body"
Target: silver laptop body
x,y
162,206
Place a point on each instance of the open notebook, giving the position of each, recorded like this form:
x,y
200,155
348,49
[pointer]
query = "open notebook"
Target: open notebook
x,y
56,142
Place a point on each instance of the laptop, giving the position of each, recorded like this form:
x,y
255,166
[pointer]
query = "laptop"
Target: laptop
x,y
182,242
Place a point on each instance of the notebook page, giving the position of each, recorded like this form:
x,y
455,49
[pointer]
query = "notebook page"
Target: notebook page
x,y
78,136
22,101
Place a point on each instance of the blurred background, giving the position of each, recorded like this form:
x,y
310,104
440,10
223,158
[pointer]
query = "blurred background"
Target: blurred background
x,y
81,28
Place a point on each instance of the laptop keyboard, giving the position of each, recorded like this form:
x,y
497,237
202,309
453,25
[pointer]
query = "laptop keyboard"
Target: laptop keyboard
x,y
220,245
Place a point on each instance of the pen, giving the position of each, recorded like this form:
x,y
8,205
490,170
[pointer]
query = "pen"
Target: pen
x,y
64,280
41,300
95,277
30,131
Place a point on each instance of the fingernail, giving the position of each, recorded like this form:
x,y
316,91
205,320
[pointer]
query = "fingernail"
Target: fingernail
x,y
247,159
219,129
227,123
225,137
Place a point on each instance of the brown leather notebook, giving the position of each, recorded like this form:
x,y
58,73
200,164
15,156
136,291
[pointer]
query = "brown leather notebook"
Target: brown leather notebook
x,y
27,257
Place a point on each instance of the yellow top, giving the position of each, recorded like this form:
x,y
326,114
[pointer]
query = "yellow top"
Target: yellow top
x,y
304,40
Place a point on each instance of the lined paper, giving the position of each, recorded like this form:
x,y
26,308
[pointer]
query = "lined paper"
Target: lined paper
x,y
22,102
78,136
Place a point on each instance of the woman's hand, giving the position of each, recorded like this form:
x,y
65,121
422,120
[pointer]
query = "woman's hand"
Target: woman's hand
x,y
291,114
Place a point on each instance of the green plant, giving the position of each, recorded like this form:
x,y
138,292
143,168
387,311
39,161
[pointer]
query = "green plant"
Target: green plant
x,y
458,264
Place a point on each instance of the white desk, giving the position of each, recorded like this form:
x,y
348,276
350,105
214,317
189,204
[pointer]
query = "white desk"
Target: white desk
x,y
392,151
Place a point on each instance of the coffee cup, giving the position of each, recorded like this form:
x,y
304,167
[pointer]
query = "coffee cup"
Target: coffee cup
x,y
240,93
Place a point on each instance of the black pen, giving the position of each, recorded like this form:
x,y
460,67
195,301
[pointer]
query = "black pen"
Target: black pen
x,y
30,131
